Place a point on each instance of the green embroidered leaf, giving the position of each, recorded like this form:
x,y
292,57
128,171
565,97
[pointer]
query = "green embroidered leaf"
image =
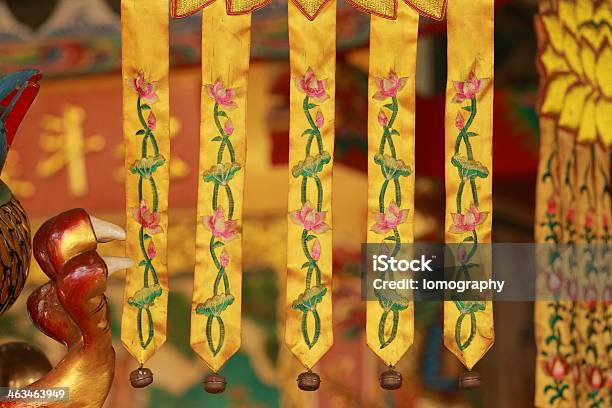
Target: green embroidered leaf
x,y
391,300
309,299
140,132
221,173
467,108
306,265
218,244
213,306
307,132
222,114
142,263
468,239
146,236
216,139
145,297
389,106
311,165
472,134
311,105
394,132
391,167
469,168
470,306
310,238
389,238
146,166
550,338
144,106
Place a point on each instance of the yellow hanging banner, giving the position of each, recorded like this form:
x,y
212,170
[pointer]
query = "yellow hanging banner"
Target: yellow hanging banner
x,y
391,113
217,296
468,325
144,38
602,340
308,328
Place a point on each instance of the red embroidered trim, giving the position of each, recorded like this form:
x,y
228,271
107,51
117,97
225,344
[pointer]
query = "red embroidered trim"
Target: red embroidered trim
x,y
421,12
228,8
394,17
311,18
364,10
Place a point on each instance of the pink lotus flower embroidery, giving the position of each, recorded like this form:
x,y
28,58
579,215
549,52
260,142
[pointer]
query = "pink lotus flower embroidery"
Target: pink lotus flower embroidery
x,y
144,89
590,296
319,119
151,121
461,255
594,377
309,218
556,367
468,89
551,206
224,258
569,217
554,282
147,219
382,118
588,220
316,250
467,222
151,251
311,86
389,220
220,228
222,95
572,289
389,87
459,121
228,128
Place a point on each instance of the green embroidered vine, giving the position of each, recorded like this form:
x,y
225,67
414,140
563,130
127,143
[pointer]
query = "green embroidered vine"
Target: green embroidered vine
x,y
556,365
465,223
594,396
390,215
222,230
149,219
311,219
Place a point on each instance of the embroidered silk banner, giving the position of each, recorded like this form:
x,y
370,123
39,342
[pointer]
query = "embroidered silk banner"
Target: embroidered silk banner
x,y
393,49
217,296
144,36
468,325
308,328
572,337
551,330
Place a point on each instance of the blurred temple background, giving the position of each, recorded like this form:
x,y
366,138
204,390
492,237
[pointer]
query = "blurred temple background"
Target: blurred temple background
x,y
69,153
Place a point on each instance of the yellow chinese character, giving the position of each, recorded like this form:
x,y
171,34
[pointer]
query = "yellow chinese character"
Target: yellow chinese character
x,y
178,167
12,173
68,147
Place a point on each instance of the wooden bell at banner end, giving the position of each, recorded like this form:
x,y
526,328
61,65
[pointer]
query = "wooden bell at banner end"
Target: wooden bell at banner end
x,y
308,381
469,379
390,379
141,377
214,383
